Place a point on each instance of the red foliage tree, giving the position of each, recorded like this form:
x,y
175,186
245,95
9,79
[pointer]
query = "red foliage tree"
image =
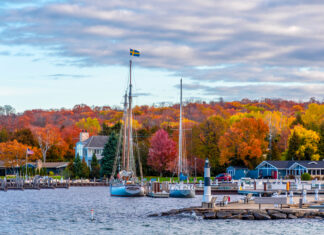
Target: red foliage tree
x,y
162,152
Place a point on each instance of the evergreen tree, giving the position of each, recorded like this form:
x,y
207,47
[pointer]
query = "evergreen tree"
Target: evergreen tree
x,y
85,171
107,130
274,152
294,143
321,142
95,167
77,167
297,121
109,152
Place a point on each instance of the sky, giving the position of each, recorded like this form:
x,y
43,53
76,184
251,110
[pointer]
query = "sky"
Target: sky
x,y
58,53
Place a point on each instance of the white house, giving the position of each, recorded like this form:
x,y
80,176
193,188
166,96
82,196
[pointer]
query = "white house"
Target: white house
x,y
89,145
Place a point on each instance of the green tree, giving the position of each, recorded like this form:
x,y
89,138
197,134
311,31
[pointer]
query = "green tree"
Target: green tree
x,y
109,153
95,167
4,135
85,171
205,138
274,151
293,146
321,142
107,130
77,167
25,136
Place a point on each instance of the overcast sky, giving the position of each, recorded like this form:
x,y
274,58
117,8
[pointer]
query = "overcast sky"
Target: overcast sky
x,y
56,53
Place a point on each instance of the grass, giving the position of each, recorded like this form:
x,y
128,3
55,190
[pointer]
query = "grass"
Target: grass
x,y
163,179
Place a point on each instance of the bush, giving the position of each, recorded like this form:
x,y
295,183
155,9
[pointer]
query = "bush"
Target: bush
x,y
51,173
306,176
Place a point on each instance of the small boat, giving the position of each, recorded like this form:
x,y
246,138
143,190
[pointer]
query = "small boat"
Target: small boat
x,y
182,190
126,184
132,190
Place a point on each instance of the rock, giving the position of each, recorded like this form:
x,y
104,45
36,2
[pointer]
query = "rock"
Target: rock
x,y
291,216
223,215
278,216
271,211
247,217
154,215
210,215
239,216
261,216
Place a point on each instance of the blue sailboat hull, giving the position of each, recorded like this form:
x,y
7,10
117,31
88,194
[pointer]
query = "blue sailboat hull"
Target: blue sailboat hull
x,y
182,193
126,191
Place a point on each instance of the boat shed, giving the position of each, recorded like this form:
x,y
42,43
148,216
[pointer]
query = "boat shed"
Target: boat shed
x,y
237,172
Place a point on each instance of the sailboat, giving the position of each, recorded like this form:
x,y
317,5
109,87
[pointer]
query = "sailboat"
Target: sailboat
x,y
181,190
126,184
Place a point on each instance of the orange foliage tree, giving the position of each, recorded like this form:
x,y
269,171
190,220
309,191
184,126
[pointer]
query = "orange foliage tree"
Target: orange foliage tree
x,y
244,143
13,153
47,137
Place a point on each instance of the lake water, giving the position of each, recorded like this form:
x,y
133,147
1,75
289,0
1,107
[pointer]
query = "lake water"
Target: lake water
x,y
68,211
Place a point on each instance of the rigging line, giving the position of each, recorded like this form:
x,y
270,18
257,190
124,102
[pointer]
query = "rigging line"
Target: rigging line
x,y
117,156
139,156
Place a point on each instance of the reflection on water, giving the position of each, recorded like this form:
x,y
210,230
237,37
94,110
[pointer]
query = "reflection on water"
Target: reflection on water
x,y
62,211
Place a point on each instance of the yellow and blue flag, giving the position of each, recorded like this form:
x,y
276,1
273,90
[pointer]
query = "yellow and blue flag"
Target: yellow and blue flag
x,y
134,52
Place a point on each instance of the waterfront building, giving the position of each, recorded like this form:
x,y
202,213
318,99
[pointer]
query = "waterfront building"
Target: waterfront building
x,y
2,169
87,146
237,172
279,169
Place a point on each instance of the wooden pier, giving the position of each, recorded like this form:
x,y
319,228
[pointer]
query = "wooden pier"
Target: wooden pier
x,y
38,183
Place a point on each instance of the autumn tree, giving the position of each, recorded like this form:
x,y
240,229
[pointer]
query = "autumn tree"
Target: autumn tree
x,y
13,153
91,125
47,137
244,143
162,152
303,144
205,140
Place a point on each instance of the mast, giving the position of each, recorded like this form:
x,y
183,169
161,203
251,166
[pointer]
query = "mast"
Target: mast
x,y
180,131
125,131
129,138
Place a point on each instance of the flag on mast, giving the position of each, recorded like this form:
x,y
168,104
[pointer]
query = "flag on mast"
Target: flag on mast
x,y
134,52
30,152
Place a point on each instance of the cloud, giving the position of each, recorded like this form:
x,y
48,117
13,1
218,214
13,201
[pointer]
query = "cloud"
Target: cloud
x,y
69,76
241,43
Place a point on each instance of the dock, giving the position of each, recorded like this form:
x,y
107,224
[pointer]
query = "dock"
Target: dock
x,y
251,211
38,183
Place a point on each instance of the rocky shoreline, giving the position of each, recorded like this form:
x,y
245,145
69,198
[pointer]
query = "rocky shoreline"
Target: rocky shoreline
x,y
248,214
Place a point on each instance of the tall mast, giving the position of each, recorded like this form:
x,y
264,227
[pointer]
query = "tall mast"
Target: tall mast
x,y
180,131
129,140
125,131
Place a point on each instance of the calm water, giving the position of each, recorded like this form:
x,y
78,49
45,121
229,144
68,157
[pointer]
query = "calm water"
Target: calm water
x,y
62,211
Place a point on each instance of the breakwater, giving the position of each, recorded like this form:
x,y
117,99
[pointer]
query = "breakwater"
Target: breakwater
x,y
245,214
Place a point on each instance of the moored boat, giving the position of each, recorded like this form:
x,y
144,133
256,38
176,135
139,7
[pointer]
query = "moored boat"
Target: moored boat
x,y
126,184
182,190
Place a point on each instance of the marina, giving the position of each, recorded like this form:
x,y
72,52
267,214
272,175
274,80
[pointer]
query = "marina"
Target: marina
x,y
69,212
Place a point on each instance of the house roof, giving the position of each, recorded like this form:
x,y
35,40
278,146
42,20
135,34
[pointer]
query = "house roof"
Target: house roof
x,y
96,141
288,164
278,164
311,164
238,167
55,164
